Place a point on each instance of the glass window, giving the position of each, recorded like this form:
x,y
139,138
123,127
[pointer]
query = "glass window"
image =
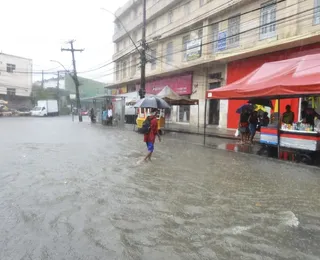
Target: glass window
x,y
170,17
215,33
153,58
316,12
184,114
124,69
234,31
268,20
169,54
185,41
11,67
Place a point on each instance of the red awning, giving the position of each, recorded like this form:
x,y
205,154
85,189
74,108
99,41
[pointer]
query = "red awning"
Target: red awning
x,y
281,79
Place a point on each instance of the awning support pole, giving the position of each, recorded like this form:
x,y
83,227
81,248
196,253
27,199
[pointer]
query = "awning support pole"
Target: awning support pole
x,y
279,127
198,118
205,122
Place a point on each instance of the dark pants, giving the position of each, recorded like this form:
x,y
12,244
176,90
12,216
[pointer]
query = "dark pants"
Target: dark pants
x,y
109,120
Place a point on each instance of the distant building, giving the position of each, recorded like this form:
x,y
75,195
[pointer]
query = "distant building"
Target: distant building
x,y
15,76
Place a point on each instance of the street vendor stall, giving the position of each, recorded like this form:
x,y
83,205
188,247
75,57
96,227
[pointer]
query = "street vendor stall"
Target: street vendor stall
x,y
298,77
174,99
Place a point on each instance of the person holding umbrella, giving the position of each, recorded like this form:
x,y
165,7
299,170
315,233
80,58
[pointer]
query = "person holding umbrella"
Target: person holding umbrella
x,y
149,138
150,124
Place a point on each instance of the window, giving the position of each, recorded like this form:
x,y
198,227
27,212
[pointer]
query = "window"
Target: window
x,y
215,33
200,33
133,66
118,47
234,31
184,113
268,20
153,59
124,69
169,54
10,67
316,18
201,3
118,71
187,9
185,41
11,91
154,26
170,17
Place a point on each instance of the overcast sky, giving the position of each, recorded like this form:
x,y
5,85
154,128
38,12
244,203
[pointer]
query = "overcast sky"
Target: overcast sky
x,y
37,29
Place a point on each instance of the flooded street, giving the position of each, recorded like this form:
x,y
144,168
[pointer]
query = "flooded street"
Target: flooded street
x,y
77,191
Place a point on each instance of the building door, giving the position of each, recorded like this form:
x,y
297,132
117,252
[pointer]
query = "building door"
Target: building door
x,y
214,106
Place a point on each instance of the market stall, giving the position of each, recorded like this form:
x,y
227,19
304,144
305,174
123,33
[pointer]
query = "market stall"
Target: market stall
x,y
298,77
174,99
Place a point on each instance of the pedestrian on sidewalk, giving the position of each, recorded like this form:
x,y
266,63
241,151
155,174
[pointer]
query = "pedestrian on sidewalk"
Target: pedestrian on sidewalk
x,y
244,126
150,137
253,122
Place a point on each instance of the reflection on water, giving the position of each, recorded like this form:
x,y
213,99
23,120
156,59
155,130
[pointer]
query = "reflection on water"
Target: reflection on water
x,y
80,194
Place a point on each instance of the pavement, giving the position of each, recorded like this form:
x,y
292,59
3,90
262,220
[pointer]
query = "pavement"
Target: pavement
x,y
212,131
80,191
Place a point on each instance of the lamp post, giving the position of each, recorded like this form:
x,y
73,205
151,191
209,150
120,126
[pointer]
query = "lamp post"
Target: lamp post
x,y
58,81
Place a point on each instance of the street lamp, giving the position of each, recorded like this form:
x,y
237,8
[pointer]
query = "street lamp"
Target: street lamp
x,y
60,64
58,81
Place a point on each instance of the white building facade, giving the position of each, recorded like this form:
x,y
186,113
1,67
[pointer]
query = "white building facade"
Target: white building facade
x,y
15,75
194,45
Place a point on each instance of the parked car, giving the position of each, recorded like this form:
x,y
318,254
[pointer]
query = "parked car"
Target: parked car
x,y
84,113
23,111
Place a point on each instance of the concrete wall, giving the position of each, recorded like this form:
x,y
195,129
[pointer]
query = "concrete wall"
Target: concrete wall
x,y
19,79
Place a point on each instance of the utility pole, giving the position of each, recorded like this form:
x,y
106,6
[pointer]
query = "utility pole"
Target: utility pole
x,y
58,90
75,77
42,79
142,90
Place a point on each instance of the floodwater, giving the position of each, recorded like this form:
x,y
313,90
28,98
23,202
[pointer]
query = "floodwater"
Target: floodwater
x,y
78,191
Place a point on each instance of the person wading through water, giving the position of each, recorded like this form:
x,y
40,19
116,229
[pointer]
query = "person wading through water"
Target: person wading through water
x,y
150,130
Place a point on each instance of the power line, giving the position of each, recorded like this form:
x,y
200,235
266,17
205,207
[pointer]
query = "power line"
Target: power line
x,y
217,22
223,52
246,31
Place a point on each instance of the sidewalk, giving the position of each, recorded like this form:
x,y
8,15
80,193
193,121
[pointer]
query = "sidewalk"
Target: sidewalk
x,y
211,131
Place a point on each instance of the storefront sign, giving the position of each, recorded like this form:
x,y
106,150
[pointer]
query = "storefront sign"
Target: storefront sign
x,y
193,49
72,96
181,84
114,92
222,41
123,90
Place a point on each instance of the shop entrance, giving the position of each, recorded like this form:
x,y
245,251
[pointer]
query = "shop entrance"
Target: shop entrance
x,y
214,106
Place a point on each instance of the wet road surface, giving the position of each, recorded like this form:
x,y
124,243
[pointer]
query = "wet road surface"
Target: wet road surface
x,y
77,191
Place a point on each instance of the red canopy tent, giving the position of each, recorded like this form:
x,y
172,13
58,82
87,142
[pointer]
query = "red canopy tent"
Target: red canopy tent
x,y
281,79
295,77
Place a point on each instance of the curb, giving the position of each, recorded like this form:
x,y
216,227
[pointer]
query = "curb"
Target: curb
x,y
198,133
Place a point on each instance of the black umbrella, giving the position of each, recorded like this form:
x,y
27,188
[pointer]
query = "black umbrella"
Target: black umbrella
x,y
152,102
261,101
